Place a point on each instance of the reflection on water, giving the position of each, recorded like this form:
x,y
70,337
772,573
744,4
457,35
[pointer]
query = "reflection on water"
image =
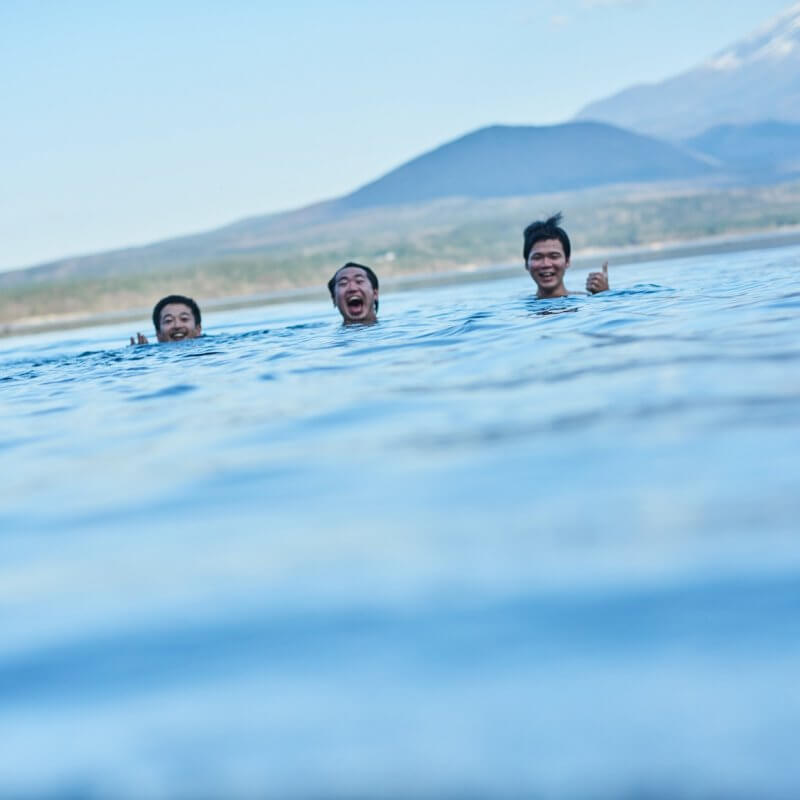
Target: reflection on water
x,y
490,546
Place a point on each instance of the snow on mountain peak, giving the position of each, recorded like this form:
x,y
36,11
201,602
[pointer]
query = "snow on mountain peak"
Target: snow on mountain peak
x,y
776,40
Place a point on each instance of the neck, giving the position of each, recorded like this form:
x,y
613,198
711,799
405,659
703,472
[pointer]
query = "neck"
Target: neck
x,y
371,320
559,291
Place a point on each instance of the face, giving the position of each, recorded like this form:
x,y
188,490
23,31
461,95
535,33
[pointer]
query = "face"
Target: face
x,y
354,296
547,264
176,323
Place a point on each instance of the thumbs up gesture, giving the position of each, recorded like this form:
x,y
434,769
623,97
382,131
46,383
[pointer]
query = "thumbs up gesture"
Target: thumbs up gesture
x,y
598,281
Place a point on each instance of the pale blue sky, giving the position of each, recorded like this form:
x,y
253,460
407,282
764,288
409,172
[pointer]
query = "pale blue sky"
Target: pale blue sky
x,y
126,122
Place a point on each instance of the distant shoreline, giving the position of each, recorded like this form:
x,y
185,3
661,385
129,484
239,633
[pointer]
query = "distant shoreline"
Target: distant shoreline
x,y
656,251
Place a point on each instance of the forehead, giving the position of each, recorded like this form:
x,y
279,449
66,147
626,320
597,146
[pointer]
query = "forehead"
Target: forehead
x,y
175,310
548,246
351,272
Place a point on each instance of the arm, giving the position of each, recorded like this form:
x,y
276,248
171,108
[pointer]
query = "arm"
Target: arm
x,y
598,281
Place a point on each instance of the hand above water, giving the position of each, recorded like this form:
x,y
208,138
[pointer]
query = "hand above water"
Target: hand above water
x,y
598,281
140,339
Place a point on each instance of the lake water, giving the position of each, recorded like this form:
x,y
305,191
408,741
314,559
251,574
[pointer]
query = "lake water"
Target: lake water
x,y
488,547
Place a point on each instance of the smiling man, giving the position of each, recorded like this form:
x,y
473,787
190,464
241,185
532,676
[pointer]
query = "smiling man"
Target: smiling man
x,y
176,318
354,291
547,251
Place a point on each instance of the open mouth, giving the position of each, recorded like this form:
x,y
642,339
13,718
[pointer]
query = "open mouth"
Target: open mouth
x,y
355,305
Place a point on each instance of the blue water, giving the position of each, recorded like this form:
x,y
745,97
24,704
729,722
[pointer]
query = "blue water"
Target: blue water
x,y
490,547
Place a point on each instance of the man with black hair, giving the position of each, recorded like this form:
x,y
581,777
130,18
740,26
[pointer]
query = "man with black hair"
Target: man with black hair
x,y
175,319
546,252
354,291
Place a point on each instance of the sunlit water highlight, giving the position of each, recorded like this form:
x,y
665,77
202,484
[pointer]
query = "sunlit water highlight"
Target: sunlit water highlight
x,y
488,547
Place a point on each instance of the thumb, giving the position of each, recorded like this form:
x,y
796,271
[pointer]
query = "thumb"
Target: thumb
x,y
605,268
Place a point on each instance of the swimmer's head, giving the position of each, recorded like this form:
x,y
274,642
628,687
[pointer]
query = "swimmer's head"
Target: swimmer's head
x,y
546,250
176,318
545,229
354,291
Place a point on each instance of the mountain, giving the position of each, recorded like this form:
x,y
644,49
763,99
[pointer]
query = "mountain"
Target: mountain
x,y
239,238
502,161
497,161
756,79
769,148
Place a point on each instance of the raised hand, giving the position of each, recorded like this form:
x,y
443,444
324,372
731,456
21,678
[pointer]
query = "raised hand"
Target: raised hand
x,y
598,281
140,339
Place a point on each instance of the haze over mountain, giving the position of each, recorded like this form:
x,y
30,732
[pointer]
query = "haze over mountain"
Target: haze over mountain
x,y
501,161
497,161
768,148
756,79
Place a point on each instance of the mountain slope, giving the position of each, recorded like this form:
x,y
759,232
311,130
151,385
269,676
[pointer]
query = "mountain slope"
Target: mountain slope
x,y
756,79
772,147
497,161
502,161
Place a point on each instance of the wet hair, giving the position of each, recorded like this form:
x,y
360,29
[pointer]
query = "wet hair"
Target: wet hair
x,y
548,229
175,298
373,279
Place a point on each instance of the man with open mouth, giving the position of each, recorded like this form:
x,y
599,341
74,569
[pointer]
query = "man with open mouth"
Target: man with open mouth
x,y
175,318
546,252
354,291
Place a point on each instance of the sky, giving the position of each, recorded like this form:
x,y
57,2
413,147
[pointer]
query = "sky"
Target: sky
x,y
128,122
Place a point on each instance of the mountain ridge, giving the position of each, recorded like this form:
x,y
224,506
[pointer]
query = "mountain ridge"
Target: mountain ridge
x,y
493,161
768,149
528,159
754,79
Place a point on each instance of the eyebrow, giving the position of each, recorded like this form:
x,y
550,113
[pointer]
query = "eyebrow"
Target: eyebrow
x,y
179,315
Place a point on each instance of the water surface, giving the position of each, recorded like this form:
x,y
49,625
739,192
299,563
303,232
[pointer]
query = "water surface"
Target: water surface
x,y
491,546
